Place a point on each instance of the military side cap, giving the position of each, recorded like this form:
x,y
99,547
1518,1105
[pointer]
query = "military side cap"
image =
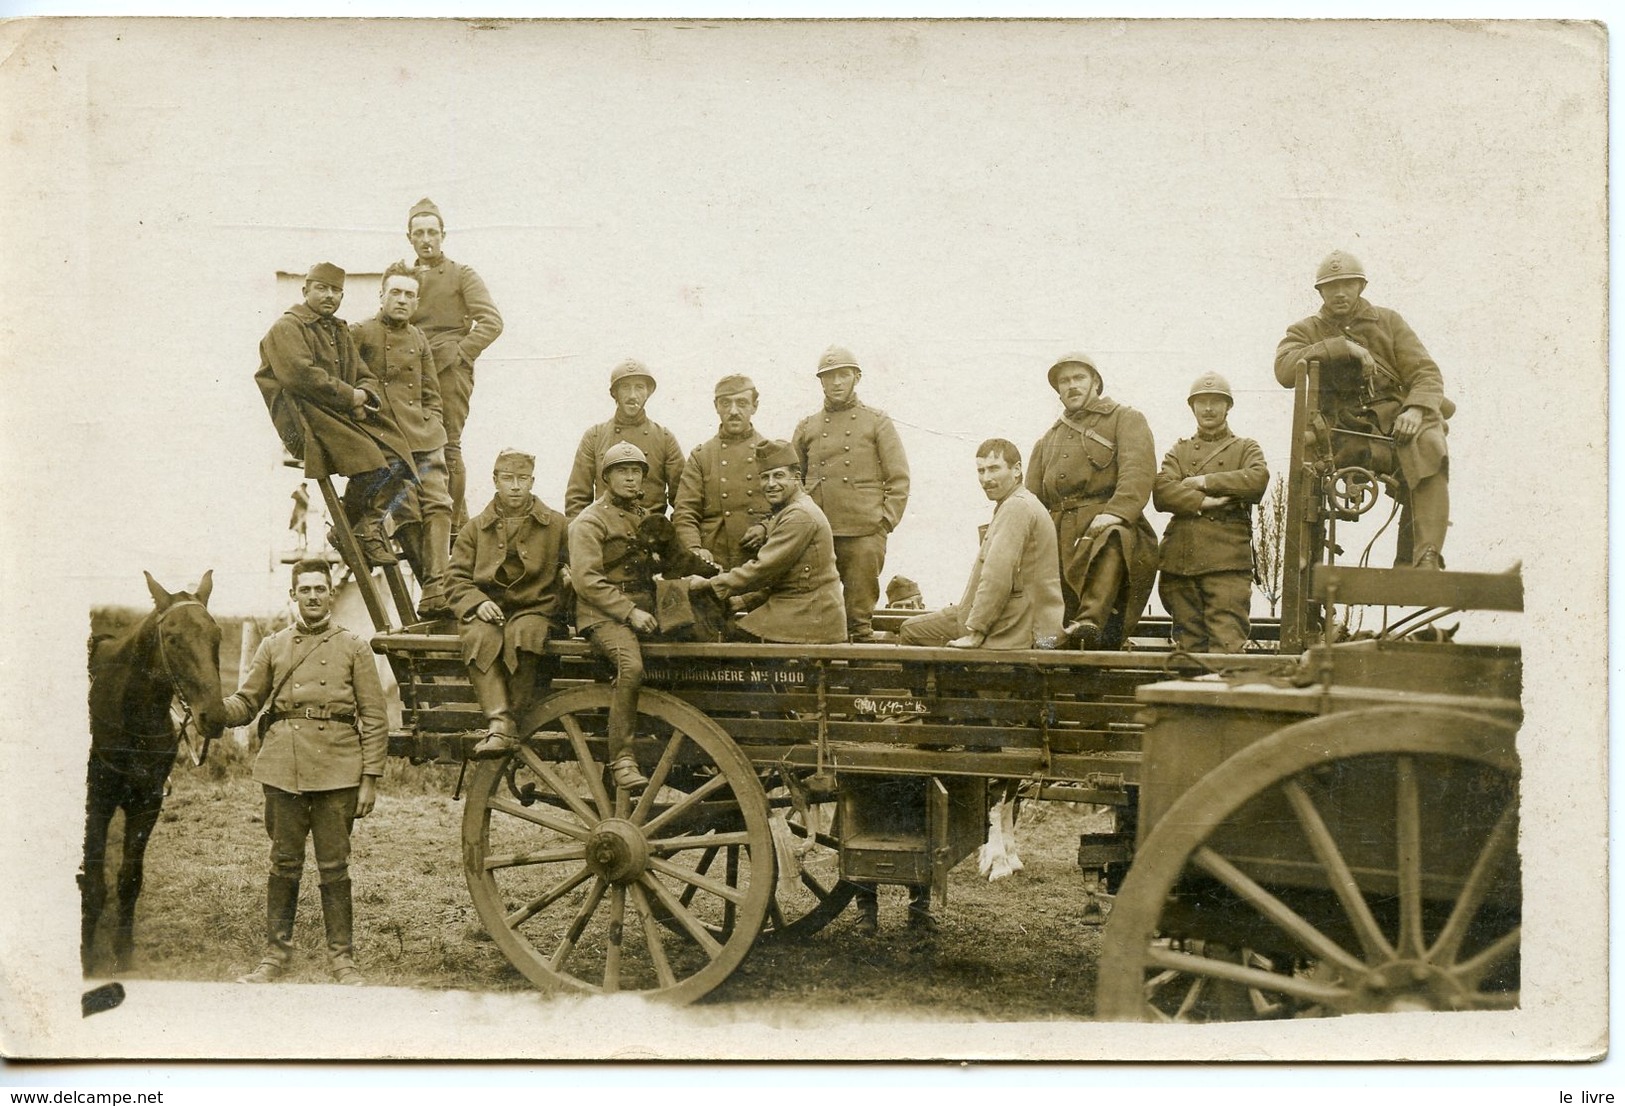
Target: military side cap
x,y
733,384
1339,266
836,358
513,460
1210,384
425,206
1075,359
622,453
776,454
328,273
901,588
631,367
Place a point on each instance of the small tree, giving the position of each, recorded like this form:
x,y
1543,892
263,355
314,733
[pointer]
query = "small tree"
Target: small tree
x,y
1269,541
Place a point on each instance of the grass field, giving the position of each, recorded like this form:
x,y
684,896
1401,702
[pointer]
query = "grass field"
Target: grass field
x,y
1012,950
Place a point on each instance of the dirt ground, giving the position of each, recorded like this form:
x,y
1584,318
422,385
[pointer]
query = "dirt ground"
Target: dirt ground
x,y
1008,951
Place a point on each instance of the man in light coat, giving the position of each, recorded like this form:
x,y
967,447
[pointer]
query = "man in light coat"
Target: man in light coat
x,y
325,734
1013,598
1209,483
854,468
457,315
790,591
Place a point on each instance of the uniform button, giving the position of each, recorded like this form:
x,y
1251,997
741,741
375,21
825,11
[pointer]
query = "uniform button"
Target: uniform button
x,y
725,514
297,640
724,463
296,687
724,495
324,660
324,682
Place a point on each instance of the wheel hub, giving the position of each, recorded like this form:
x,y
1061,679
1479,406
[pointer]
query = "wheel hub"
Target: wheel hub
x,y
1404,985
617,851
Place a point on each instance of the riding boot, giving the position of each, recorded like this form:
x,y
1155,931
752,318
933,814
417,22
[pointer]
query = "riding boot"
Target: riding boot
x,y
367,499
435,548
281,903
1098,598
868,904
491,691
409,536
338,919
1430,518
919,909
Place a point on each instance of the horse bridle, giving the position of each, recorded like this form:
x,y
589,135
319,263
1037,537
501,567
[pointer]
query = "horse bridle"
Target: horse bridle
x,y
188,718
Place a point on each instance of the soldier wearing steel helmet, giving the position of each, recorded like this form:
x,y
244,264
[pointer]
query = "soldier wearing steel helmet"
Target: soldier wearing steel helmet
x,y
615,593
854,468
1378,379
1093,470
1209,483
630,385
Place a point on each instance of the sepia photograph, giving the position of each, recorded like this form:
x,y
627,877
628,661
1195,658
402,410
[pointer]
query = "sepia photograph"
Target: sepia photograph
x,y
898,539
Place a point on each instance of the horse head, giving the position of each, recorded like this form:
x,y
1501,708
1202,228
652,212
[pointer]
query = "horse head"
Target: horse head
x,y
188,642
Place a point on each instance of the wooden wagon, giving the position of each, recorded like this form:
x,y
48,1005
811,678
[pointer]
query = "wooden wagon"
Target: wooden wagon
x,y
1318,827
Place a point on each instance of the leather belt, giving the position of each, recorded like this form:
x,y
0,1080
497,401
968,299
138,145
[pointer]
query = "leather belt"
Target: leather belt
x,y
1073,502
314,714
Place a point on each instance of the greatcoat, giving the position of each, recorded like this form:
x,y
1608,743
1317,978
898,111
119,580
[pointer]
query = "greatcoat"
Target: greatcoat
x,y
794,575
720,497
659,448
455,313
1101,461
399,357
320,674
309,371
1220,539
611,570
854,468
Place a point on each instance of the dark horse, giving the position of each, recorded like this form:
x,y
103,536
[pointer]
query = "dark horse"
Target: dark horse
x,y
174,652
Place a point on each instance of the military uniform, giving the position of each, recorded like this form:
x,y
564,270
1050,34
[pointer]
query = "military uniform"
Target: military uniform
x,y
1206,559
1101,462
658,445
325,729
513,560
720,497
1013,597
399,358
791,585
1405,376
854,469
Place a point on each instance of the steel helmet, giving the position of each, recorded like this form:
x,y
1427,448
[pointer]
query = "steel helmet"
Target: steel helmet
x,y
836,358
631,367
1210,384
1339,266
622,453
1076,359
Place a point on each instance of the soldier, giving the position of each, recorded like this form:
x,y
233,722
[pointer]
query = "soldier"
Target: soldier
x,y
455,312
325,733
1209,483
327,408
615,594
719,512
854,469
903,594
630,384
1013,598
506,586
1093,469
1377,379
397,354
791,591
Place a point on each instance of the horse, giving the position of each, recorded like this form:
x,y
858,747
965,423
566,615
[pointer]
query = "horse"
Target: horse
x,y
173,652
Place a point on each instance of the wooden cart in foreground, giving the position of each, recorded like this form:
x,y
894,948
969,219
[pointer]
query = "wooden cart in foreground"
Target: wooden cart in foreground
x,y
1326,828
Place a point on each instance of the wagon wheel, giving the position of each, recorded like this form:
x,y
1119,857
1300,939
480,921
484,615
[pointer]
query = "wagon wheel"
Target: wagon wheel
x,y
586,887
809,893
1343,909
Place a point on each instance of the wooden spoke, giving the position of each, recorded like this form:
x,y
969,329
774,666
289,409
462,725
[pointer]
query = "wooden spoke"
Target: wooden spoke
x,y
666,845
725,891
657,779
1471,971
544,818
715,783
617,931
1502,838
1273,982
1192,994
704,865
652,936
1372,940
731,874
571,797
692,925
1310,939
590,768
548,898
567,943
1408,826
545,856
